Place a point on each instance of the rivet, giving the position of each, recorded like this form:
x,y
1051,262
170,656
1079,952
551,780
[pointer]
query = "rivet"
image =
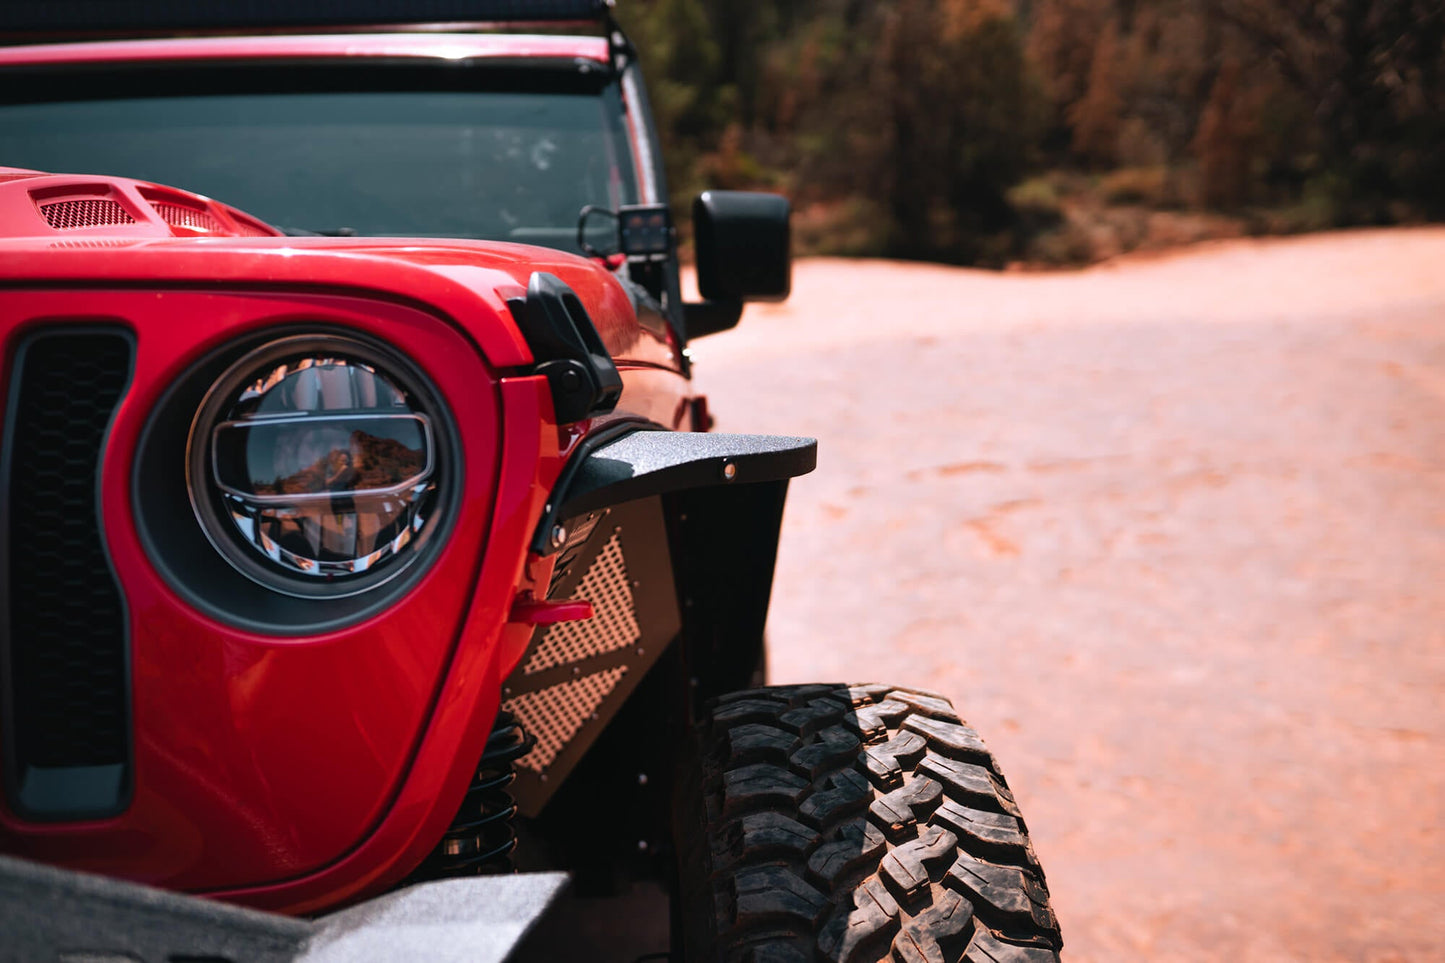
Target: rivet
x,y
642,778
506,690
642,845
559,536
576,670
641,652
730,471
542,776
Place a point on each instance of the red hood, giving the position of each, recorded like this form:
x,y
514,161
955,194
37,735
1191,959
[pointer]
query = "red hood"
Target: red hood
x,y
112,230
36,204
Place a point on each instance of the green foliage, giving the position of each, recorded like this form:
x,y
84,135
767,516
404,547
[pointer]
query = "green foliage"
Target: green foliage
x,y
1150,186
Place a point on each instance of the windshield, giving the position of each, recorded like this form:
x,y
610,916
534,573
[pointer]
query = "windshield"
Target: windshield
x,y
512,165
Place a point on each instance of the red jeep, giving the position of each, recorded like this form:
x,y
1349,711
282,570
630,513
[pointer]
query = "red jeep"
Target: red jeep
x,y
373,541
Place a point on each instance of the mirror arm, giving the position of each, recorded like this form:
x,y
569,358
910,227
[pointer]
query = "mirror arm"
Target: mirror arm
x,y
710,317
582,215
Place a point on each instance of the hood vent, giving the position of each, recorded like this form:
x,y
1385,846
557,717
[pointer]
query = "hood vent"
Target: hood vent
x,y
186,214
189,218
115,206
74,214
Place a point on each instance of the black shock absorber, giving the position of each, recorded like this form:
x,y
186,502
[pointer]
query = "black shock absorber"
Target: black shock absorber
x,y
481,838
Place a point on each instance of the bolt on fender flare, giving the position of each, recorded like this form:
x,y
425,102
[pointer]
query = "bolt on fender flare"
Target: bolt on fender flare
x,y
642,463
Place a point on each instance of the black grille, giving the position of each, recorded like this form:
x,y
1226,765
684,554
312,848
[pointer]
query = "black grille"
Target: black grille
x,y
67,634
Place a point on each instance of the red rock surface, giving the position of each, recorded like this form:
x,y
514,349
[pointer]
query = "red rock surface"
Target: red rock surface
x,y
1171,532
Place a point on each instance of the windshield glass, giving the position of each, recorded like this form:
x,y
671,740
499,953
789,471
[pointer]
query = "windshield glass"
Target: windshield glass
x,y
507,165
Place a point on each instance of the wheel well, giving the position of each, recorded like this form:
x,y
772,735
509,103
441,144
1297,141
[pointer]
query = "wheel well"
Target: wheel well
x,y
724,543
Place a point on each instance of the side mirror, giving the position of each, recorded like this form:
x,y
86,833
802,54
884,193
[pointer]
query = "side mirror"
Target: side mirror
x,y
742,243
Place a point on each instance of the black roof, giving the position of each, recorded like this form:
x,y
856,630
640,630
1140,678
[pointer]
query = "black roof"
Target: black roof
x,y
110,16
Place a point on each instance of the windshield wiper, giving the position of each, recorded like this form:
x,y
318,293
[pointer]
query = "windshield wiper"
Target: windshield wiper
x,y
303,232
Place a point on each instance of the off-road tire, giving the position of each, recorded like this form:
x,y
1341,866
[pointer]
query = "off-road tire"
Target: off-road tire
x,y
853,823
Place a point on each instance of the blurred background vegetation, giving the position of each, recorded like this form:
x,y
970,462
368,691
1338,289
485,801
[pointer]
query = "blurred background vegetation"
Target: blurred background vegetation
x,y
1052,131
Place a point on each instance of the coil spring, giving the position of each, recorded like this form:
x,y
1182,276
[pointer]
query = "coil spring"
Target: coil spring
x,y
481,839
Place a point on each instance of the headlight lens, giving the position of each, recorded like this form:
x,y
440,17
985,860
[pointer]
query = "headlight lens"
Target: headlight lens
x,y
314,466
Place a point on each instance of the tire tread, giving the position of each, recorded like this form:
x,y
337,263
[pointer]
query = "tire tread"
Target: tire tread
x,y
856,823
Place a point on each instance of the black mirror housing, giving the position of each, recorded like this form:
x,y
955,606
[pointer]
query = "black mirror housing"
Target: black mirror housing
x,y
743,251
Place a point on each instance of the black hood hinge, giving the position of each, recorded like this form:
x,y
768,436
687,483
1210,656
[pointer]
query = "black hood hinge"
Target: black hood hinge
x,y
567,349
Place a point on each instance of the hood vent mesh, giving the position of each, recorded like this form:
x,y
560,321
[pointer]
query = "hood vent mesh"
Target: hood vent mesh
x,y
188,217
71,215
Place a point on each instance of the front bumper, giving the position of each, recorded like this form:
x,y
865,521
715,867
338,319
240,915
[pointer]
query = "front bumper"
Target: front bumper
x,y
51,914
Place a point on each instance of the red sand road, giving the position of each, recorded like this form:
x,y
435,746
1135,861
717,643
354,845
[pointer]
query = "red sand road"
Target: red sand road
x,y
1171,532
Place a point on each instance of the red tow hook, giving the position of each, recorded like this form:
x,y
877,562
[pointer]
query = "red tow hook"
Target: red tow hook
x,y
532,612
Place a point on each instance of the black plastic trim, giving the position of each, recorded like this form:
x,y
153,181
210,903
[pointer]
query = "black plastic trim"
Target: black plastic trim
x,y
552,511
94,81
655,463
86,791
710,317
744,246
568,350
724,541
669,293
644,463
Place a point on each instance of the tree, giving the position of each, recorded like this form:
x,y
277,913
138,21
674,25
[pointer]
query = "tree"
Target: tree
x,y
1096,117
1225,141
952,115
683,64
1373,74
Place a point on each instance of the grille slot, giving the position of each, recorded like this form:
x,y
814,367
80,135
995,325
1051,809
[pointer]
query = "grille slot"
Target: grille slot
x,y
67,731
72,215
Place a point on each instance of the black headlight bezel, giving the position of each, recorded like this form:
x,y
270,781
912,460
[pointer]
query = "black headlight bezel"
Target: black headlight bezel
x,y
208,500
182,549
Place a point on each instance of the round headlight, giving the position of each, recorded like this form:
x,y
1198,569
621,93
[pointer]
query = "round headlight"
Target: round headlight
x,y
314,465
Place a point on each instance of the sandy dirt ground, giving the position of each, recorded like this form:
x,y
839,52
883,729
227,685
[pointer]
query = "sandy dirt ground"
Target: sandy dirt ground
x,y
1171,532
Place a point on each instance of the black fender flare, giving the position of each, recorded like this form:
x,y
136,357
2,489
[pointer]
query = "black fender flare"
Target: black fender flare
x,y
632,463
721,498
